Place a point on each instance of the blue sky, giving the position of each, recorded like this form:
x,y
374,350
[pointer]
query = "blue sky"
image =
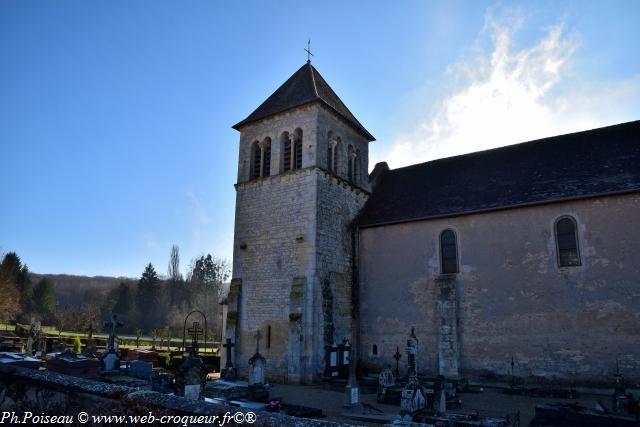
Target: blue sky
x,y
115,117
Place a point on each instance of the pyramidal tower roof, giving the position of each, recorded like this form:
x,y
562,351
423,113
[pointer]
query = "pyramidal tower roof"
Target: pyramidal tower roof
x,y
305,86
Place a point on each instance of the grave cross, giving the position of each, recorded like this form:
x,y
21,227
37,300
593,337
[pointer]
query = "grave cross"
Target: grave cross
x,y
397,356
308,50
194,332
228,345
113,324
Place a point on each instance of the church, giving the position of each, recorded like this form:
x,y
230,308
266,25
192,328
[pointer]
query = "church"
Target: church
x,y
521,260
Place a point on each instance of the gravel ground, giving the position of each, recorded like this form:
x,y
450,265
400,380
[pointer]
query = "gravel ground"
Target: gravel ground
x,y
491,402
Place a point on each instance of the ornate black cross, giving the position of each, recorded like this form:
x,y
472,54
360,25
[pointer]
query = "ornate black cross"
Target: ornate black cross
x,y
228,345
194,332
308,50
397,356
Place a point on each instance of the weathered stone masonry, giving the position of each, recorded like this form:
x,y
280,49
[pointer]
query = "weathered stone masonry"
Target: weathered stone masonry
x,y
293,248
510,297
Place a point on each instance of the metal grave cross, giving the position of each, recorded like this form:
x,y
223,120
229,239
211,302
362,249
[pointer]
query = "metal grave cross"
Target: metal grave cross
x,y
308,50
194,332
397,356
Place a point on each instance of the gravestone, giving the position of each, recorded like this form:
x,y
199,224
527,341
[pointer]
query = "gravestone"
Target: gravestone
x,y
413,396
29,347
110,360
192,374
257,390
190,378
76,365
257,364
140,369
387,388
229,372
331,361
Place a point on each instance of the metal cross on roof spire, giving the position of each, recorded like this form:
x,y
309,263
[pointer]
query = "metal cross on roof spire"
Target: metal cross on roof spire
x,y
308,50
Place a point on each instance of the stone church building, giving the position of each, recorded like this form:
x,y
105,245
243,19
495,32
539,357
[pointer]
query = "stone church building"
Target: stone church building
x,y
528,252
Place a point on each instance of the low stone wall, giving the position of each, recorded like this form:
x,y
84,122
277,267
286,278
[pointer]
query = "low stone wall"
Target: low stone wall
x,y
52,394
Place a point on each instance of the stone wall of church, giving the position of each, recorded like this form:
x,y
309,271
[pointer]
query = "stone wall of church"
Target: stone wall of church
x,y
510,298
273,245
340,204
292,254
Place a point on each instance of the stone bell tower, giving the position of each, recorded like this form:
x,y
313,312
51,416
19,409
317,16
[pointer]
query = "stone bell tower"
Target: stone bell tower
x,y
302,179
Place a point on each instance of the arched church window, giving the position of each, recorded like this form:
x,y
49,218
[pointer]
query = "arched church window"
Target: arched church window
x,y
285,143
297,149
266,157
256,157
374,350
448,252
567,242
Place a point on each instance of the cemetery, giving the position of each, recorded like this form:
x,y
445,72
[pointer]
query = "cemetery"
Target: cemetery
x,y
185,379
475,267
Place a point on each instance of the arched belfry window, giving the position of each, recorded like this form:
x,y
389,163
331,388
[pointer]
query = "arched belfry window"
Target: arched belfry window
x,y
266,157
330,140
356,167
297,149
350,160
256,159
448,252
332,155
285,143
567,242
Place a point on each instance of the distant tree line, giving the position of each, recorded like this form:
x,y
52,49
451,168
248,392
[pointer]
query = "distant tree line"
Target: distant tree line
x,y
151,306
19,298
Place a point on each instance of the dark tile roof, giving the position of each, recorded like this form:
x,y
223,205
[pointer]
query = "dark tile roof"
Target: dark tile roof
x,y
304,86
577,165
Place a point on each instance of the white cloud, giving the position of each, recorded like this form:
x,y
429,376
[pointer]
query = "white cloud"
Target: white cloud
x,y
513,95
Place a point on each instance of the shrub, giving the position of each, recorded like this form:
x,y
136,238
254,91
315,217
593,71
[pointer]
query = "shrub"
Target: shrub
x,y
77,344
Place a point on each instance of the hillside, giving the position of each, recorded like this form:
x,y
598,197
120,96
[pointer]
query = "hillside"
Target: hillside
x,y
72,290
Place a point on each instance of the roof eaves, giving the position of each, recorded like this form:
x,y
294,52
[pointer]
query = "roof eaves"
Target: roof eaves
x,y
500,208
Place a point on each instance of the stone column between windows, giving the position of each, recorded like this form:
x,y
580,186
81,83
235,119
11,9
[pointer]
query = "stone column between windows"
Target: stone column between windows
x,y
448,337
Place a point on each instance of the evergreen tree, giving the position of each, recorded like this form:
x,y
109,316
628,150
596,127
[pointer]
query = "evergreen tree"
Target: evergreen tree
x,y
17,274
147,298
10,297
124,304
44,298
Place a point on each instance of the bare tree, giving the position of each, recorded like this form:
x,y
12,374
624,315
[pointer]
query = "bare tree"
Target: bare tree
x,y
174,264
